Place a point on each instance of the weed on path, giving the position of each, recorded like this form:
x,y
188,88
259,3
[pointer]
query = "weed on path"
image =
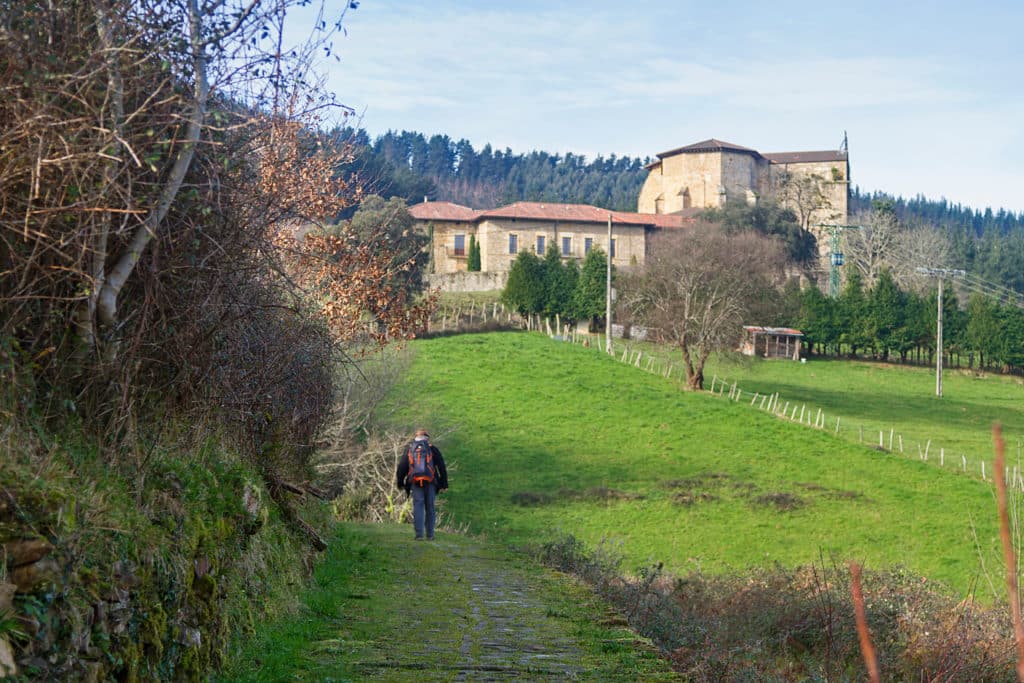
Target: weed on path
x,y
387,608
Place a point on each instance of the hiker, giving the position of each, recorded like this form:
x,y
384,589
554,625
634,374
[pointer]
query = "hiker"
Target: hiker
x,y
421,472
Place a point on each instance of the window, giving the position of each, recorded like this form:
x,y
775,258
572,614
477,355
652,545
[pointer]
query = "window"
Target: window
x,y
541,246
460,245
566,246
513,243
588,244
613,248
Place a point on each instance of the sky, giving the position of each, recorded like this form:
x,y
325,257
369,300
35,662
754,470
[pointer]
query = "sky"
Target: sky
x,y
929,94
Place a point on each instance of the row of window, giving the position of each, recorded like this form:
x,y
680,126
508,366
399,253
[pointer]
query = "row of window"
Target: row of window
x,y
541,247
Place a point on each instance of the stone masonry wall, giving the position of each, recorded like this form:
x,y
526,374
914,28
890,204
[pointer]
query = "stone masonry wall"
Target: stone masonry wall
x,y
680,179
630,242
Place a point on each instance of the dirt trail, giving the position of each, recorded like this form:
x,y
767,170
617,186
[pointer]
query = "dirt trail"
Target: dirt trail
x,y
473,616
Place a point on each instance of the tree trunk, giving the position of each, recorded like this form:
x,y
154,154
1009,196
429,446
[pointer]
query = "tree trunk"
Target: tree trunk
x,y
107,306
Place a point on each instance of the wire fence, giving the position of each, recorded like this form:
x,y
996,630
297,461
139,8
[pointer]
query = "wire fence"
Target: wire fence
x,y
888,440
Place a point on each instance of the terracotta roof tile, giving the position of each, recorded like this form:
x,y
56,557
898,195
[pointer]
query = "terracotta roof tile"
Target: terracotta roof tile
x,y
805,157
711,145
442,211
549,211
582,213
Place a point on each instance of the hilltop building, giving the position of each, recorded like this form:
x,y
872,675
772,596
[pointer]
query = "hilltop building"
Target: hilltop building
x,y
680,184
709,173
503,232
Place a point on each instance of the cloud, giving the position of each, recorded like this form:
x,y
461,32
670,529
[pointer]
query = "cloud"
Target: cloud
x,y
602,78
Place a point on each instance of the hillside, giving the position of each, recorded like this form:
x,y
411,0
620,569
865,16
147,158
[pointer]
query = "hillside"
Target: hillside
x,y
548,437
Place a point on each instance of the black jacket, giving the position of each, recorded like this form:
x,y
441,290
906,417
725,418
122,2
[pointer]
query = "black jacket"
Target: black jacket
x,y
402,471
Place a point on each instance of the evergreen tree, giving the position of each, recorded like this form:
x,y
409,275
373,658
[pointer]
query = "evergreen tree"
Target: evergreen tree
x,y
389,223
768,217
983,334
525,292
852,311
818,320
558,294
589,297
473,258
885,316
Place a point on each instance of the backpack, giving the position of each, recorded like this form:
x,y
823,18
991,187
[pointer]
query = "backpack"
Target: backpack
x,y
421,463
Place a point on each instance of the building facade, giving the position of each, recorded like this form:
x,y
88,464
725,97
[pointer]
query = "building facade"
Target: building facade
x,y
502,233
709,173
680,184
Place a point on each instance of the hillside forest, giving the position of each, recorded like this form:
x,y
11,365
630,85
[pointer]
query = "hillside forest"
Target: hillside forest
x,y
410,165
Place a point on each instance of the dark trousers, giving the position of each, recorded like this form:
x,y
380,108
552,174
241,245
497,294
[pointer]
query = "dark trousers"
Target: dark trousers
x,y
423,509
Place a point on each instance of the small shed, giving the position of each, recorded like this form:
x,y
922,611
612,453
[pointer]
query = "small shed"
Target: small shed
x,y
771,342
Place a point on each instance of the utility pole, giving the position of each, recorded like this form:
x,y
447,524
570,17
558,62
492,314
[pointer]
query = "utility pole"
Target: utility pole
x,y
608,294
836,257
941,274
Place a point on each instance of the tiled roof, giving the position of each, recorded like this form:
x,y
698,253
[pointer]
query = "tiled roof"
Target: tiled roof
x,y
582,213
805,157
548,211
714,145
442,211
711,145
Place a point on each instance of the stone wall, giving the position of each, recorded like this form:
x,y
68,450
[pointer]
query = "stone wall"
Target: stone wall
x,y
443,256
833,179
467,282
682,181
630,240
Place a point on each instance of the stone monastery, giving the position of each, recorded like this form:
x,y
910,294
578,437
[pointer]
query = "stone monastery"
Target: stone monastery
x,y
680,184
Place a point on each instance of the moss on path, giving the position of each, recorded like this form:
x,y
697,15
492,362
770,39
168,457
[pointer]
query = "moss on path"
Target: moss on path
x,y
387,608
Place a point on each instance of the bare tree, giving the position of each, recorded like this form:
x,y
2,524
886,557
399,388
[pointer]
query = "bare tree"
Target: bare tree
x,y
107,106
698,288
869,246
808,197
881,241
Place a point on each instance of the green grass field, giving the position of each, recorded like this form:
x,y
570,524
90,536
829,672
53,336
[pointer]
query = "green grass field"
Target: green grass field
x,y
879,397
545,437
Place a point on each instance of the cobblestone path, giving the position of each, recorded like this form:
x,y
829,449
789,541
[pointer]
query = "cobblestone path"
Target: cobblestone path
x,y
469,615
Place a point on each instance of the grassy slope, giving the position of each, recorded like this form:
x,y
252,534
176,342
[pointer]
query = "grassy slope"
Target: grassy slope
x,y
530,415
879,396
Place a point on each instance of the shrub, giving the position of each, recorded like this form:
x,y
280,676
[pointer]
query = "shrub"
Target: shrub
x,y
784,625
